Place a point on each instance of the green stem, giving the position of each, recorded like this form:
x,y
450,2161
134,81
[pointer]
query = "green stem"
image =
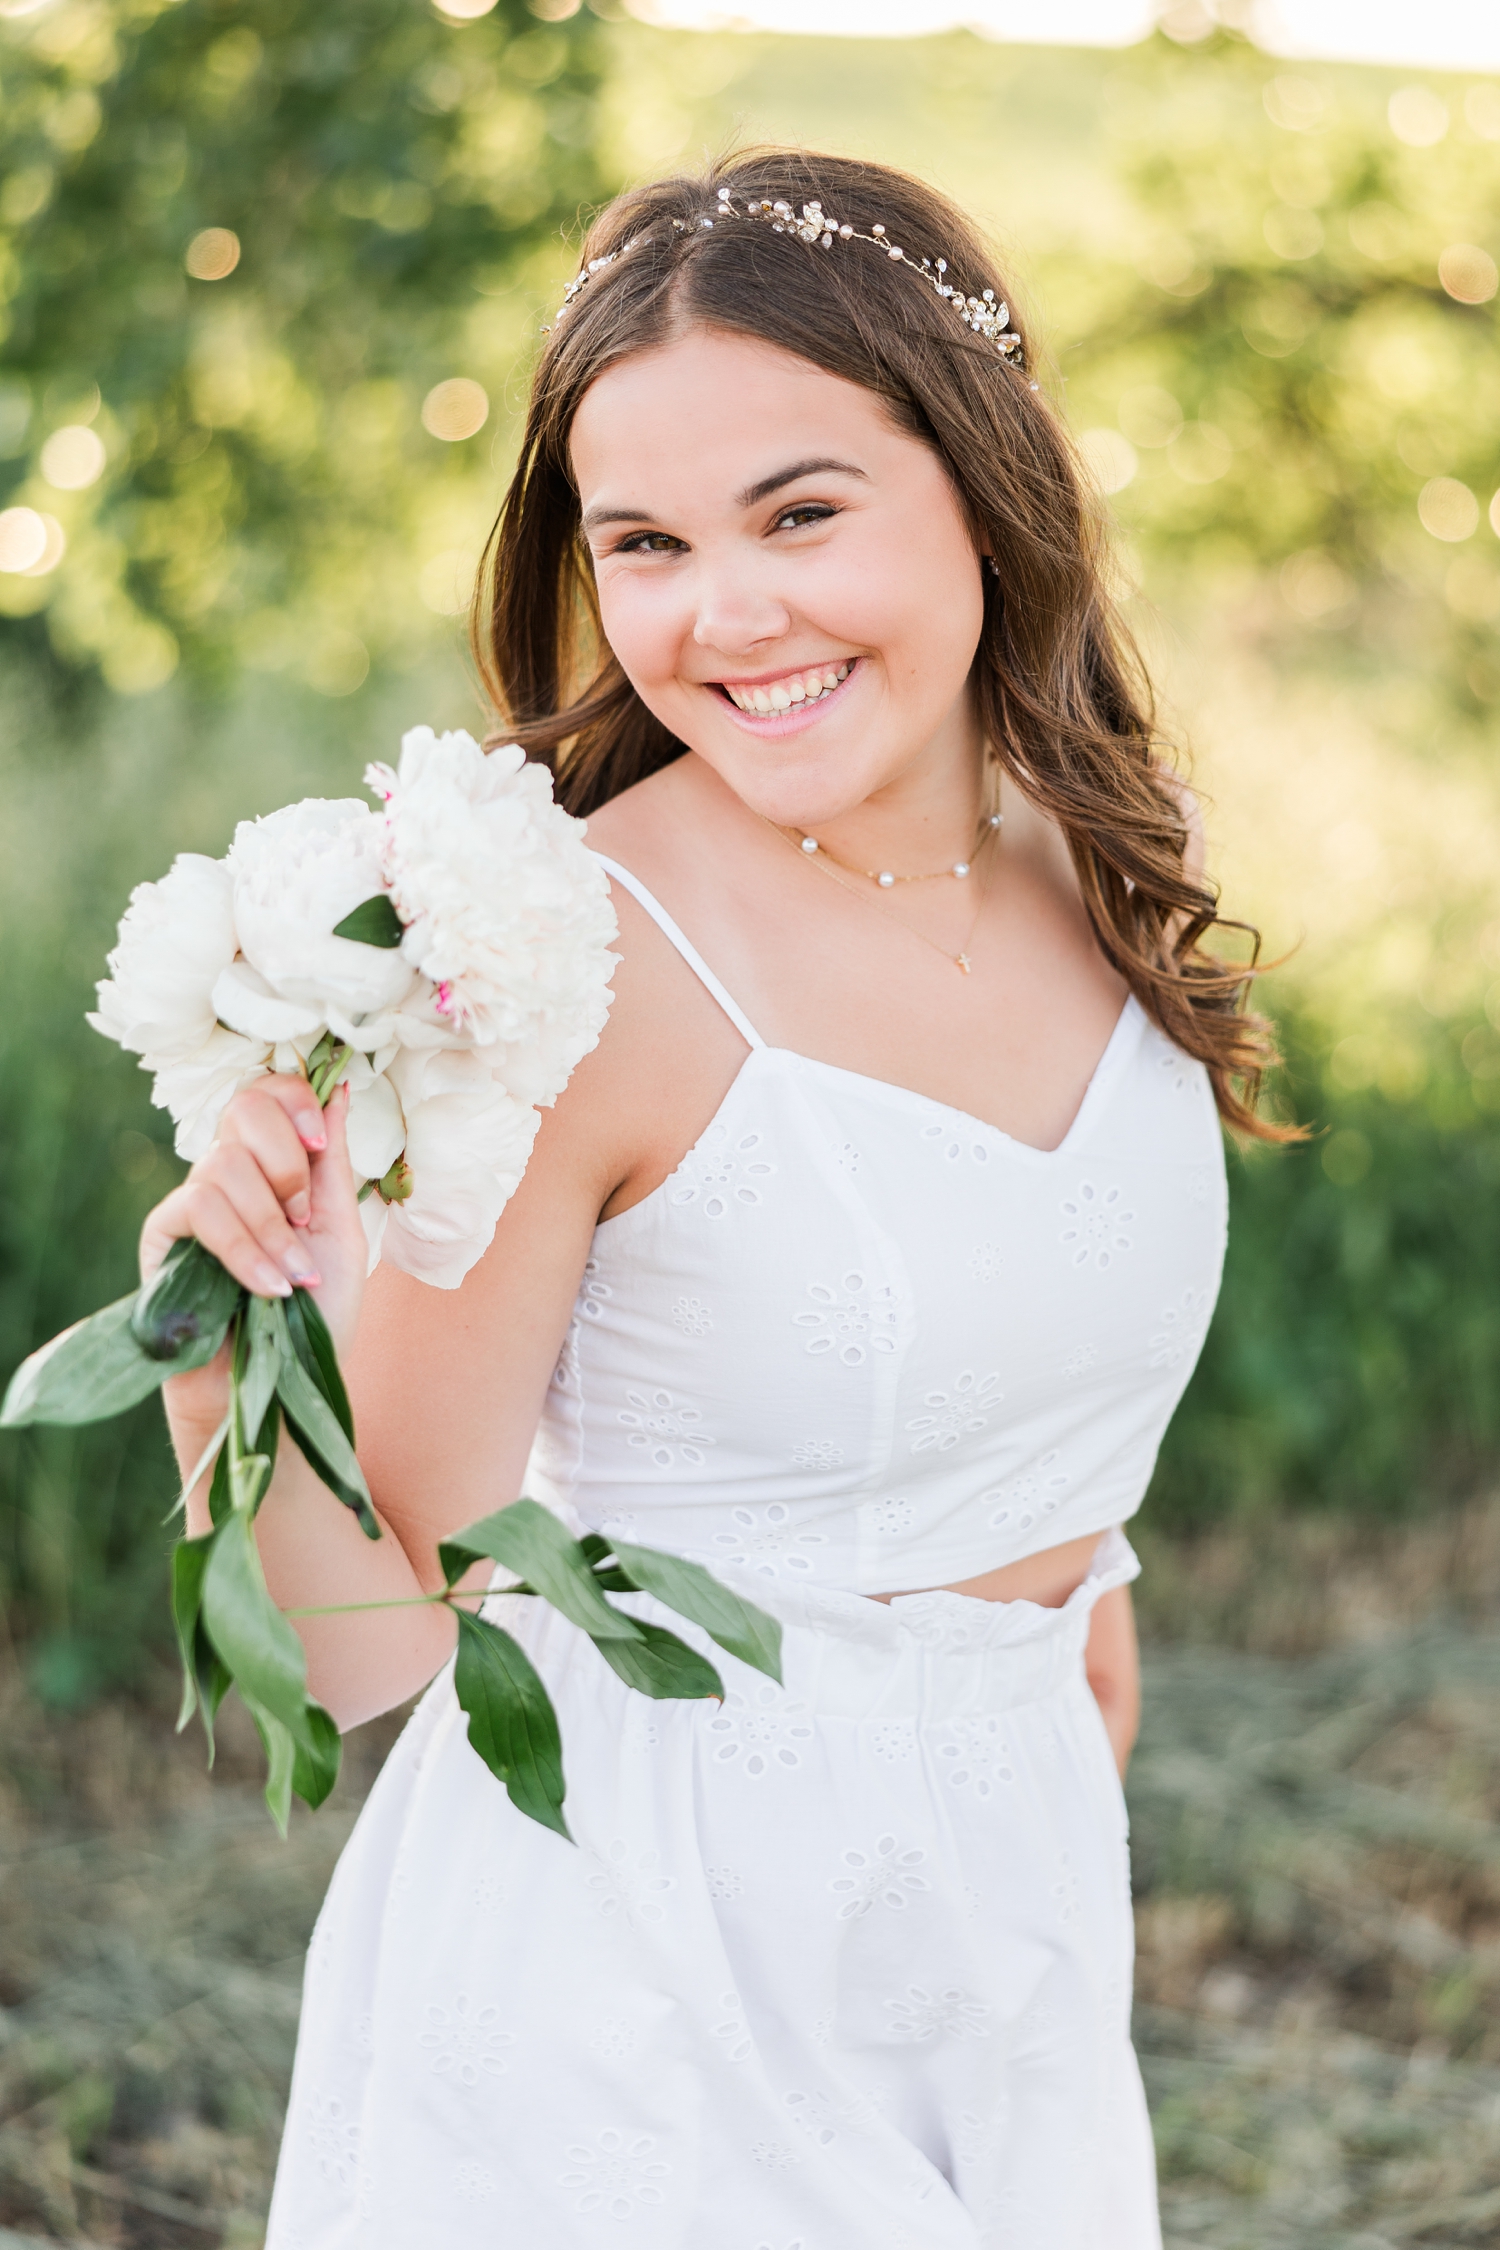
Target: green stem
x,y
329,1073
402,1601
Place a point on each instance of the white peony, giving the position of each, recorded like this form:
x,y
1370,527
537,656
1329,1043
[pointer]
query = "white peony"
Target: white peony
x,y
467,1145
175,938
198,1089
507,913
295,874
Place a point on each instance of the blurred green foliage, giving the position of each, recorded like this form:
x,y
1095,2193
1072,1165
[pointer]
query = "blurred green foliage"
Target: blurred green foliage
x,y
1244,272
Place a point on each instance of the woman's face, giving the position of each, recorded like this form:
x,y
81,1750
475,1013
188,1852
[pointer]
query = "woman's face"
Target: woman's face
x,y
786,578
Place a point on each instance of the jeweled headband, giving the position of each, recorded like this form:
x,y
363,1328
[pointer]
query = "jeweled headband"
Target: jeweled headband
x,y
986,314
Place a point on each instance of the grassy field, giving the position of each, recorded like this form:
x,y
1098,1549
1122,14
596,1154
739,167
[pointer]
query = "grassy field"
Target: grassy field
x,y
1317,1851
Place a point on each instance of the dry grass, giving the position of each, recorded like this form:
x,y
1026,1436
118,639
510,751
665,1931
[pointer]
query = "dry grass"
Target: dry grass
x,y
1316,1804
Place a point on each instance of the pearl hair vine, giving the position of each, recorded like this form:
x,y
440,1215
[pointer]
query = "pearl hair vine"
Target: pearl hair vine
x,y
987,315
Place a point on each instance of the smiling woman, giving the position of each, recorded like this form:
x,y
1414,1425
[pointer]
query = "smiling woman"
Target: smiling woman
x,y
840,1269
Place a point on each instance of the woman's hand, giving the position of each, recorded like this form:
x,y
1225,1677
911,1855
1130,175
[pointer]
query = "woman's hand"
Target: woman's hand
x,y
274,1200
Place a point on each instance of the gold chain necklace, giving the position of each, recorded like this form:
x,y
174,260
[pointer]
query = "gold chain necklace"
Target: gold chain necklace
x,y
989,827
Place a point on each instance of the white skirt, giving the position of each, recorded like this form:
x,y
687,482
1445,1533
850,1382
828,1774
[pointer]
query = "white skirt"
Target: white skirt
x,y
841,1964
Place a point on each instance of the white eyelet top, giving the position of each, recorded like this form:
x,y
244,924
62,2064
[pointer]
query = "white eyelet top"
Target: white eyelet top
x,y
862,1340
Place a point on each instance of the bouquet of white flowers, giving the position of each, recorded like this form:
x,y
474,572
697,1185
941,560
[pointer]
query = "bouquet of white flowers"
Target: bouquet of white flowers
x,y
448,959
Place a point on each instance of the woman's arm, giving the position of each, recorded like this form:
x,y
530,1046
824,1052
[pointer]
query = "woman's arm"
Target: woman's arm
x,y
1112,1662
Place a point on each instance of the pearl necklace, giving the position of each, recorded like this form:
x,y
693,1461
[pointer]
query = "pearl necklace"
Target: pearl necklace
x,y
989,825
883,875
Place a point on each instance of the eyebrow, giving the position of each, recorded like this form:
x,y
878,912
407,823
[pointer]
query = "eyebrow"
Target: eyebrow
x,y
594,517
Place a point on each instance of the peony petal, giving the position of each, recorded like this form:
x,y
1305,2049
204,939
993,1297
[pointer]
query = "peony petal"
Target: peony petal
x,y
377,1129
243,1000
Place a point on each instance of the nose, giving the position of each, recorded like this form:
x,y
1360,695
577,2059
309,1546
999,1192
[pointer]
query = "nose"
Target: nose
x,y
736,611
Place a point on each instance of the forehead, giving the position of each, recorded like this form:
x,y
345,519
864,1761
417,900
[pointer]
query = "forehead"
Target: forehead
x,y
704,415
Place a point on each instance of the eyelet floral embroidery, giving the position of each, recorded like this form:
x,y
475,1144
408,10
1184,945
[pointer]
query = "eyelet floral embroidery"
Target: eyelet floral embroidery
x,y
955,1413
732,2030
465,2041
594,1295
767,1540
692,1316
618,2174
722,1173
1175,1066
1197,1183
333,2137
1095,1232
846,1156
977,1756
490,1896
892,1740
724,1884
773,2156
475,2183
851,1319
953,1143
614,2039
1183,1328
922,2015
986,1261
819,1454
883,1876
1079,1360
1034,1494
887,1517
667,1428
756,1732
1067,1891
635,1889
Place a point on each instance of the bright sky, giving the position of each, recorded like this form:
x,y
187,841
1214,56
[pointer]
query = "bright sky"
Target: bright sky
x,y
1412,34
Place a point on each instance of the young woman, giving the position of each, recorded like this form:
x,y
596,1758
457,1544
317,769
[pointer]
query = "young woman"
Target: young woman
x,y
864,1261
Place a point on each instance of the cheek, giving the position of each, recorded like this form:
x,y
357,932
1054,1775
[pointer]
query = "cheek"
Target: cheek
x,y
641,624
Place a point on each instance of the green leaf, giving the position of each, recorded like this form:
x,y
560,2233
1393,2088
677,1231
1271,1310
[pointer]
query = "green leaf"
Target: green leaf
x,y
512,1724
529,1540
214,1683
189,1562
660,1664
189,1297
281,1759
220,1500
373,922
318,1430
263,1346
607,1572
738,1626
315,1766
249,1632
314,1348
92,1370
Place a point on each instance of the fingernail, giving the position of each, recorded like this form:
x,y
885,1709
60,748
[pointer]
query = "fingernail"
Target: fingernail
x,y
299,1210
273,1284
312,1136
305,1276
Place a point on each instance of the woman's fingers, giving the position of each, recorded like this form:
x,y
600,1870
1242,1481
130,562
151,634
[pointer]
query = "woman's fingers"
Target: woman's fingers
x,y
278,1121
203,1208
333,1196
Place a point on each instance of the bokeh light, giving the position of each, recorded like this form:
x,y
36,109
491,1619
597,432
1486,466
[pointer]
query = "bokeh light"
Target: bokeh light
x,y
1418,116
73,458
23,539
455,409
1112,459
1448,509
213,254
1468,273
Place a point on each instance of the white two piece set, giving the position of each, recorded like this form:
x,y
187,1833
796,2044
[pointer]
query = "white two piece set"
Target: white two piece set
x,y
843,1965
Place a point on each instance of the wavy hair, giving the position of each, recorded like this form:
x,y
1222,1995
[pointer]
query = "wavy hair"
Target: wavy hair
x,y
1062,697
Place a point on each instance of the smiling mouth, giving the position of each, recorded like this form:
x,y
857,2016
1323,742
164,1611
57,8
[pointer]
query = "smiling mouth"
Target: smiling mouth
x,y
793,692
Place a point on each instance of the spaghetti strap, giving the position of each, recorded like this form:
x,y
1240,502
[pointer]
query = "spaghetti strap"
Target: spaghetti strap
x,y
674,937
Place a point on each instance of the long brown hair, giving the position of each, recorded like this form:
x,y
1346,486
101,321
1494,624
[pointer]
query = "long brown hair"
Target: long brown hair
x,y
1061,694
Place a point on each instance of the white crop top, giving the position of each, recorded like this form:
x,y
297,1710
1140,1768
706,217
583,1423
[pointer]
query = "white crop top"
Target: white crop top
x,y
861,1340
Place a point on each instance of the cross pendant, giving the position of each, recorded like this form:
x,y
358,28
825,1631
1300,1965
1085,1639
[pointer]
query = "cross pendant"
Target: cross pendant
x,y
962,961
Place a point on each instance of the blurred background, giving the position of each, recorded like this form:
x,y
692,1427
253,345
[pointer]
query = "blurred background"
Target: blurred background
x,y
270,279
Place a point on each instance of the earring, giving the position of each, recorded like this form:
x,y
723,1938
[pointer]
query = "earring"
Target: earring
x,y
991,566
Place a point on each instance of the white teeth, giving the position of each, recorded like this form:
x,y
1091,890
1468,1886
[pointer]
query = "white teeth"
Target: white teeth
x,y
799,687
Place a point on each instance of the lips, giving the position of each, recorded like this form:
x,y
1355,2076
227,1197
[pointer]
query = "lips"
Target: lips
x,y
792,692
